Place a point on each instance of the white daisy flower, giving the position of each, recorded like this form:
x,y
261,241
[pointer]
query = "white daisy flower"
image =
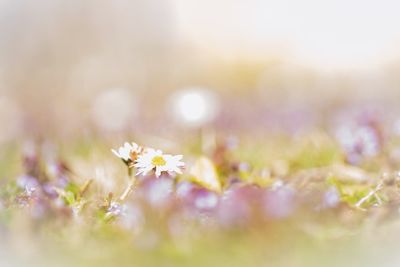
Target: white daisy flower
x,y
156,160
128,152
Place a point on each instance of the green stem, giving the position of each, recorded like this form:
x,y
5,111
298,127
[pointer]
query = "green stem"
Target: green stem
x,y
128,189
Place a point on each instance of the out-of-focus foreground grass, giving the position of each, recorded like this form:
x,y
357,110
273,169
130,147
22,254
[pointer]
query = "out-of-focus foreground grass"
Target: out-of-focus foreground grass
x,y
284,212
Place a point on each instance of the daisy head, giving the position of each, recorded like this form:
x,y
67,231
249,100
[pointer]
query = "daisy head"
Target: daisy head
x,y
155,160
129,152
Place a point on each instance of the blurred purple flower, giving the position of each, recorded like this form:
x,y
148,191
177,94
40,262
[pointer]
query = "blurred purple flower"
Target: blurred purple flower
x,y
359,142
280,203
238,204
331,197
205,200
184,189
196,197
116,209
157,191
27,182
50,190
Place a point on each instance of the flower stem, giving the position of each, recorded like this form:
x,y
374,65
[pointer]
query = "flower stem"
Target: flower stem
x,y
370,194
128,189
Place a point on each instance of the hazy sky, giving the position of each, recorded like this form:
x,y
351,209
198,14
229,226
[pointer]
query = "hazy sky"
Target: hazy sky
x,y
329,33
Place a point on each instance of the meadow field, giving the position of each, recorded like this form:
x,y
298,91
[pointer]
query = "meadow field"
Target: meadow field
x,y
183,133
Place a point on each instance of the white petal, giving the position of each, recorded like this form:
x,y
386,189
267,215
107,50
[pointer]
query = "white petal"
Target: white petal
x,y
178,157
115,153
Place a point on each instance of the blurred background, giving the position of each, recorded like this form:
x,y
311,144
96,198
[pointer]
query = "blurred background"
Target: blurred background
x,y
85,76
73,67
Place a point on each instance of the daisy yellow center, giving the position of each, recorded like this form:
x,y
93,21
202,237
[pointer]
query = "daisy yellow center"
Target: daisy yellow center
x,y
158,161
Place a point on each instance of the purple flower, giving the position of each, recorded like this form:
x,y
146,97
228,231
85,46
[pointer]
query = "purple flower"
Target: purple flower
x,y
196,197
238,205
49,189
331,197
359,142
205,200
27,182
157,191
116,209
184,189
279,203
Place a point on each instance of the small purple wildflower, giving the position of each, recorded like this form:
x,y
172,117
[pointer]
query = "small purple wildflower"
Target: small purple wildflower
x,y
27,182
359,142
280,203
205,200
116,209
331,197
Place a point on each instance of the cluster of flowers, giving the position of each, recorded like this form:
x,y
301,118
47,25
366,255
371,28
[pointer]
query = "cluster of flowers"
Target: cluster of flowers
x,y
360,139
218,192
146,159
